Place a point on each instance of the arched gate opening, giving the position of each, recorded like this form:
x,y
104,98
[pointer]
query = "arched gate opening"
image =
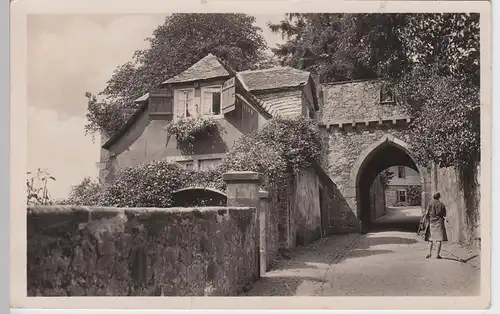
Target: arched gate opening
x,y
385,154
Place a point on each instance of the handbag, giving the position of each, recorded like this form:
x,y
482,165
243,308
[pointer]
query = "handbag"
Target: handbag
x,y
424,224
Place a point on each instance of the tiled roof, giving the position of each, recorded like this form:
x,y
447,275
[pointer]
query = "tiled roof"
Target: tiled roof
x,y
207,68
273,78
282,103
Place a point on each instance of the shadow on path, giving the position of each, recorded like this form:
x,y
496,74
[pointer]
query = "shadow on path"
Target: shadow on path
x,y
373,264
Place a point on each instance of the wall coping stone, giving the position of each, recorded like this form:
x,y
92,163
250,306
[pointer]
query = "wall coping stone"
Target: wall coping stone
x,y
68,209
263,194
242,176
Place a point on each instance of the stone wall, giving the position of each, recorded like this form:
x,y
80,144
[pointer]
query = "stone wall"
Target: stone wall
x,y
80,251
355,101
339,216
377,199
344,148
307,207
461,196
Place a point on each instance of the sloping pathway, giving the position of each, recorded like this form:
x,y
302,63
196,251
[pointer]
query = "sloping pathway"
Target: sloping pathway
x,y
388,263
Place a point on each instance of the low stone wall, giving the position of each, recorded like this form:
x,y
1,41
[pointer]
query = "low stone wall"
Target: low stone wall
x,y
461,196
80,251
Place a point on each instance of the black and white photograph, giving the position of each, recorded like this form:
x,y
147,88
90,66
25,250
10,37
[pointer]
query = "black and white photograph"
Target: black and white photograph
x,y
334,154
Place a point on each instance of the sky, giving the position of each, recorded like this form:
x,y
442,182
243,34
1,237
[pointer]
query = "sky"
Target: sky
x,y
69,55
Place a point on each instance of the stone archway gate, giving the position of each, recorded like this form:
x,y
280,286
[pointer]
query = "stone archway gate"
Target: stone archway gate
x,y
356,121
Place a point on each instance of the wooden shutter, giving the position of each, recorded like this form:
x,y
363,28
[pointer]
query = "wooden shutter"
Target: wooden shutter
x,y
228,96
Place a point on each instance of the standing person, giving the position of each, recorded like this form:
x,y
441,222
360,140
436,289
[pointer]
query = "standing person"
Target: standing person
x,y
436,230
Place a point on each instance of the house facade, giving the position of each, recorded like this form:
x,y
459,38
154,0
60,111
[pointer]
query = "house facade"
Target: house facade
x,y
361,125
240,101
397,193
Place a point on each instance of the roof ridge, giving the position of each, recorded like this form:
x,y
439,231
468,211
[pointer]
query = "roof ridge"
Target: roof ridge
x,y
206,59
271,69
351,81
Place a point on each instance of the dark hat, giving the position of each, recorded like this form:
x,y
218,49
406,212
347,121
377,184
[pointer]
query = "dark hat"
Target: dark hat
x,y
437,195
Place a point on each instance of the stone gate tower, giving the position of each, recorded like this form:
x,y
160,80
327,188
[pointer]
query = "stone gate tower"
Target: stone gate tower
x,y
364,131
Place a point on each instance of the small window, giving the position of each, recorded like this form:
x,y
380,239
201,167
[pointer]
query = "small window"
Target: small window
x,y
402,196
186,164
211,100
386,94
401,172
184,103
207,164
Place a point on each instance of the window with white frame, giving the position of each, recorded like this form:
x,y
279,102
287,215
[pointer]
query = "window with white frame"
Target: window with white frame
x,y
211,100
186,164
401,172
402,196
184,103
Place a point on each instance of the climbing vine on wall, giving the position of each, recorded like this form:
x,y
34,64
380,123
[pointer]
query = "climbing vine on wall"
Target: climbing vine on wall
x,y
414,193
278,150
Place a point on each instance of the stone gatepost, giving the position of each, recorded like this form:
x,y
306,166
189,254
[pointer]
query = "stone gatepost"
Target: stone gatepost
x,y
243,191
263,222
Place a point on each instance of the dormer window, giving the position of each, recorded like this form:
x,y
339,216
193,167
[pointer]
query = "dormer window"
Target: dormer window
x,y
386,94
211,100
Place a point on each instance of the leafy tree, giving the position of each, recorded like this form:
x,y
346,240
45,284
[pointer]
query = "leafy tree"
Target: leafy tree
x,y
446,128
448,42
342,46
178,43
441,89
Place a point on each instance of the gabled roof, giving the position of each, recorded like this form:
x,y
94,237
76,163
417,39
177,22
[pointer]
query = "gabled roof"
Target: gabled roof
x,y
273,78
207,68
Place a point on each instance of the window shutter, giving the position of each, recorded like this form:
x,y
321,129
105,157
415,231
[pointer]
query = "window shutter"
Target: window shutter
x,y
228,96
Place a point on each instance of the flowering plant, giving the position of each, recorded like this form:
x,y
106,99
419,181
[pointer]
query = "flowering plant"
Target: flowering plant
x,y
186,130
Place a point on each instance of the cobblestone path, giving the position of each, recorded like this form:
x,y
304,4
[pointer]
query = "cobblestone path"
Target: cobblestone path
x,y
390,263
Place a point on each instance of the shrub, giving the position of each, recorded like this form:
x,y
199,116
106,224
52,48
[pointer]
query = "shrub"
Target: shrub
x,y
187,130
152,184
278,150
86,193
